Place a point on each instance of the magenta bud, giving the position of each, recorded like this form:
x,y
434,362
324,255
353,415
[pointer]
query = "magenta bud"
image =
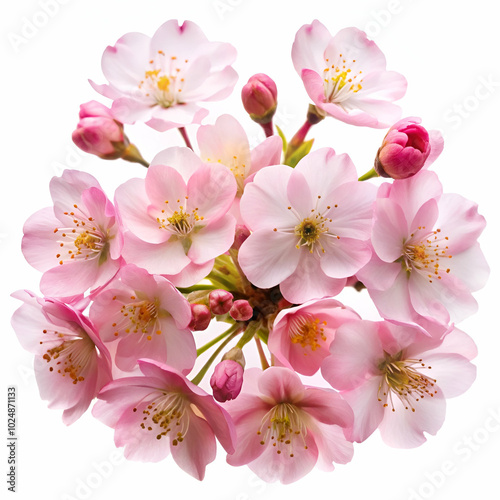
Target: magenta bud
x,y
404,150
220,301
98,133
259,98
227,380
241,310
201,317
240,235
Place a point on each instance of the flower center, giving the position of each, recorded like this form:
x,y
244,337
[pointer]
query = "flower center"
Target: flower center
x,y
139,317
284,428
307,331
340,81
164,83
309,231
71,356
427,254
404,379
82,239
167,414
181,221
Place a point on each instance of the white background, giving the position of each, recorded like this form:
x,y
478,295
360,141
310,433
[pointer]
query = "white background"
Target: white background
x,y
447,50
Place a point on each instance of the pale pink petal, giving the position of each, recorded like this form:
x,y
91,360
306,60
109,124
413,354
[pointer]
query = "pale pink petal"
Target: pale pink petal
x,y
377,274
273,467
384,113
163,258
368,411
281,384
135,346
124,64
129,110
444,299
264,204
405,428
436,141
355,354
268,257
394,303
266,153
327,406
164,187
309,46
325,171
178,40
351,209
458,342
211,191
299,194
164,119
191,274
180,346
453,373
183,160
212,240
383,85
413,192
247,423
132,203
80,275
470,267
343,257
197,449
332,446
308,281
390,229
458,219
313,84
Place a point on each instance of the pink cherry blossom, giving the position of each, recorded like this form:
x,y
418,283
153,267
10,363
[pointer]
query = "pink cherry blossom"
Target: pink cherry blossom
x,y
148,317
301,336
310,225
71,362
396,378
160,80
345,76
285,428
77,243
407,148
226,143
177,216
426,259
162,412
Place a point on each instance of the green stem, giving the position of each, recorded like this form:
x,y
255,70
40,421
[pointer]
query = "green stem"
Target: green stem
x,y
252,327
369,175
235,331
262,355
196,288
221,280
214,341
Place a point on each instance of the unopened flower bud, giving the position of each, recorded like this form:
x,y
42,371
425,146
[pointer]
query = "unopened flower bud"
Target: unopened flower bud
x,y
227,380
98,133
241,310
220,301
259,98
240,235
201,317
404,150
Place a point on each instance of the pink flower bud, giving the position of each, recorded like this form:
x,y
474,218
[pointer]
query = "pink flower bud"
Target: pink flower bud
x,y
241,310
227,380
220,301
259,98
98,133
201,317
240,235
404,150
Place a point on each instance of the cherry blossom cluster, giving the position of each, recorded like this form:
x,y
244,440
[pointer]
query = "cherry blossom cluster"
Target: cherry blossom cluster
x,y
262,240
